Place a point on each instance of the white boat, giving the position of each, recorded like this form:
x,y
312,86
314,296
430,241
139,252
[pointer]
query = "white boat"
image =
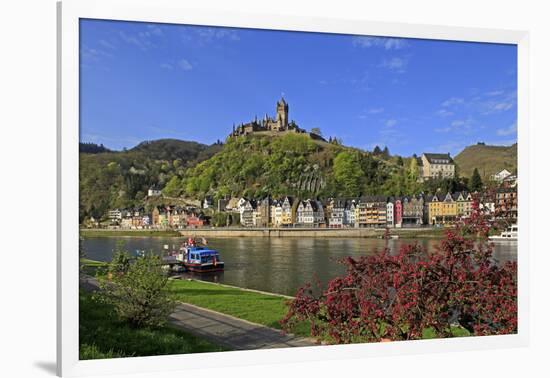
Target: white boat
x,y
510,234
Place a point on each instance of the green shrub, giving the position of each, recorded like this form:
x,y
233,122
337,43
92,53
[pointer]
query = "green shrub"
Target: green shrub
x,y
139,294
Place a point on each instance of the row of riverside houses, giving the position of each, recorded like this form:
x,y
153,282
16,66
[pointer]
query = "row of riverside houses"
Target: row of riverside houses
x,y
369,211
379,211
372,211
160,217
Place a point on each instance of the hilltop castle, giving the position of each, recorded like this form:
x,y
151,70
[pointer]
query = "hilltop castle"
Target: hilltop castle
x,y
278,124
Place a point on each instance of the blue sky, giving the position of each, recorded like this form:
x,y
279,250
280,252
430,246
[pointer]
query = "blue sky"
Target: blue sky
x,y
143,81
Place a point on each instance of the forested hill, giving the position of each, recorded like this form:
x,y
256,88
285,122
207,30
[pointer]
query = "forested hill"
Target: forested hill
x,y
288,164
256,166
487,159
253,166
121,178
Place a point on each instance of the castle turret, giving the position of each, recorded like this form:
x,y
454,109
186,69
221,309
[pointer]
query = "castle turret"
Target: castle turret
x,y
282,114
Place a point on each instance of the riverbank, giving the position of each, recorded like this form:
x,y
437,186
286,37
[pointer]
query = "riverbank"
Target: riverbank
x,y
408,233
94,233
253,306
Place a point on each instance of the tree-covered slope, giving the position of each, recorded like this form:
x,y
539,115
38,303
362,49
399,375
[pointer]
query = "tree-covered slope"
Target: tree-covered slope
x,y
288,164
121,179
253,166
487,159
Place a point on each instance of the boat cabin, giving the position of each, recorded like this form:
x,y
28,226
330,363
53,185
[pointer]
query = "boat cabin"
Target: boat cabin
x,y
202,255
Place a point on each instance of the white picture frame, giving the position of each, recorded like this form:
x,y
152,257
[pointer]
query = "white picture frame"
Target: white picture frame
x,y
176,12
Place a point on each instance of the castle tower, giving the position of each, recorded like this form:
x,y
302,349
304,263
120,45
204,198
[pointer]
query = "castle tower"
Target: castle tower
x,y
282,114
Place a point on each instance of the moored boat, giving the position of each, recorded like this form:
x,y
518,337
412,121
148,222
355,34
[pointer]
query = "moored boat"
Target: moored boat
x,y
510,234
195,258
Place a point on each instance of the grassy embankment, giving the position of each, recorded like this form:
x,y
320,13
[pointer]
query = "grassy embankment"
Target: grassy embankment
x,y
252,306
103,335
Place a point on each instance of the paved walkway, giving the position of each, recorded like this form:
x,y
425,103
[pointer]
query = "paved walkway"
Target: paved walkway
x,y
222,329
231,332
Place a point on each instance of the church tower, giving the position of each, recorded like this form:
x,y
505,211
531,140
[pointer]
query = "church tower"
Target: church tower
x,y
282,114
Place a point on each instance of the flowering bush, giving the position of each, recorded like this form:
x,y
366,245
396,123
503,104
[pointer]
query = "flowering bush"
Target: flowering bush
x,y
403,296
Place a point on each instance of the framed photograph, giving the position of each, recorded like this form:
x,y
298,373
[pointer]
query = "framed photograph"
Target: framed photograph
x,y
241,188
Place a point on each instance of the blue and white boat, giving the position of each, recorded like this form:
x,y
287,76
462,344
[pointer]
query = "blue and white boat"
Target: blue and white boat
x,y
194,258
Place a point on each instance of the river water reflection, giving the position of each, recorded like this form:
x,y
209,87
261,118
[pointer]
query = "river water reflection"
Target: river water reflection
x,y
278,265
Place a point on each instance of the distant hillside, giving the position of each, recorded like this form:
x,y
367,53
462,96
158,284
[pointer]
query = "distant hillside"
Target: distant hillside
x,y
170,149
487,159
121,179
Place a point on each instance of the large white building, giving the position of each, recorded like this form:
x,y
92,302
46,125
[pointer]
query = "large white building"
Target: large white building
x,y
436,165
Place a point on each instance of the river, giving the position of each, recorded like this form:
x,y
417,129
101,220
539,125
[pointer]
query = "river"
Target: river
x,y
277,265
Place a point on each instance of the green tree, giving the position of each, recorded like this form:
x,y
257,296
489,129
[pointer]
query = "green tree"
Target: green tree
x,y
348,173
475,182
400,161
173,187
140,295
413,172
120,262
386,153
220,219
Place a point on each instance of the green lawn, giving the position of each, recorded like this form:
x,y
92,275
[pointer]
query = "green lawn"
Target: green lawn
x,y
102,335
255,307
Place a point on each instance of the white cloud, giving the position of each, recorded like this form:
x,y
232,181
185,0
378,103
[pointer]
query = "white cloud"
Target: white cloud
x,y
375,110
204,35
185,65
166,66
129,39
458,123
494,93
93,55
383,42
391,122
107,44
499,101
155,30
512,129
444,113
144,39
500,106
453,101
395,64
